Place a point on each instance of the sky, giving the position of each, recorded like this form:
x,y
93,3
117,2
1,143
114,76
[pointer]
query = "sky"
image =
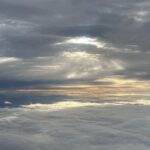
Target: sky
x,y
53,43
74,74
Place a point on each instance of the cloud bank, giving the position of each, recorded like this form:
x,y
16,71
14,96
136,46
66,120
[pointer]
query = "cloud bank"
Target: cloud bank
x,y
38,40
85,126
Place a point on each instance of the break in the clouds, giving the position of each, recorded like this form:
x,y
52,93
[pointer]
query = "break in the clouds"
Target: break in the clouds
x,y
73,40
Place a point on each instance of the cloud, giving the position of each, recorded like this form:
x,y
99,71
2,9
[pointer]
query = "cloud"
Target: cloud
x,y
52,42
7,102
84,41
64,66
118,32
4,60
82,127
73,104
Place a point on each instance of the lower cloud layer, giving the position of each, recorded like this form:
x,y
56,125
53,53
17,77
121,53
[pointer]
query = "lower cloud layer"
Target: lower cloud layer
x,y
76,126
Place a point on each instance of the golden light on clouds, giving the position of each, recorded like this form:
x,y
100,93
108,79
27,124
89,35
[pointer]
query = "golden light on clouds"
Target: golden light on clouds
x,y
106,87
120,81
74,104
80,55
59,105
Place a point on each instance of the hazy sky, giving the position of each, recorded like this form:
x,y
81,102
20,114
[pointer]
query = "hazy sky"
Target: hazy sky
x,y
57,42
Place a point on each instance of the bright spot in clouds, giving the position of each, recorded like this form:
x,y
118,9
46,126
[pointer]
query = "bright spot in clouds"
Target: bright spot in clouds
x,y
7,102
75,75
86,65
81,55
4,60
84,40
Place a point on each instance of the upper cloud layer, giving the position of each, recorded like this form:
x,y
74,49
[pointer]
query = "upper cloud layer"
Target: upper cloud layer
x,y
117,30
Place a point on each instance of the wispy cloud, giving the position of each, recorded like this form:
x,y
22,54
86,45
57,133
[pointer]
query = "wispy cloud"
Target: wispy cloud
x,y
4,60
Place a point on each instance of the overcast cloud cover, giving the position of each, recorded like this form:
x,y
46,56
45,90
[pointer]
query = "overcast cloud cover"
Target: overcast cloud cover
x,y
65,40
74,74
75,126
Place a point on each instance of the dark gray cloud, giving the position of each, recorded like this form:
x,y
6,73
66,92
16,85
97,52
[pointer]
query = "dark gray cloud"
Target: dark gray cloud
x,y
34,28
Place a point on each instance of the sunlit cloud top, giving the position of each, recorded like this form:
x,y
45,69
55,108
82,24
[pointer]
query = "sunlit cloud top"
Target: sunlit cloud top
x,y
72,104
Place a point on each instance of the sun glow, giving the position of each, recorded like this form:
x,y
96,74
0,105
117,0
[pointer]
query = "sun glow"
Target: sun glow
x,y
85,41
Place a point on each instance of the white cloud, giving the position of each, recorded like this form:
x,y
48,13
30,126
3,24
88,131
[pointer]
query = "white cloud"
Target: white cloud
x,y
4,60
7,102
81,127
85,41
74,104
